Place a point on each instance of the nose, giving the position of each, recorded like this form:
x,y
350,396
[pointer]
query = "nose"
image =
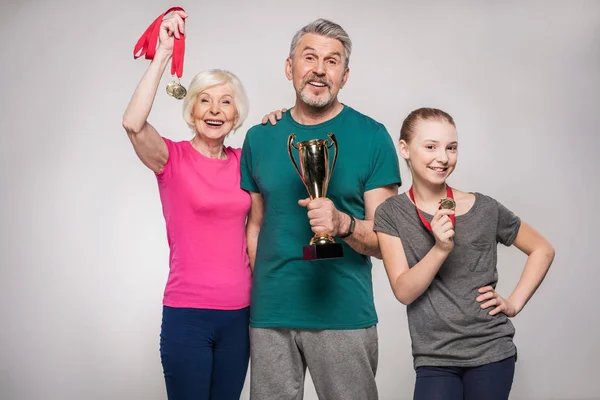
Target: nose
x,y
319,68
215,108
442,156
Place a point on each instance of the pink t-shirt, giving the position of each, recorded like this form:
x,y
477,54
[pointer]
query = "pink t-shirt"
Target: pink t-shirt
x,y
205,212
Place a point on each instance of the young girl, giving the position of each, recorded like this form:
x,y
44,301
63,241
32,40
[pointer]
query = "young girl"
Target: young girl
x,y
439,251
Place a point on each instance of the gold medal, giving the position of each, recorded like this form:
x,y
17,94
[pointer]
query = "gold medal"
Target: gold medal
x,y
447,204
170,87
176,89
179,91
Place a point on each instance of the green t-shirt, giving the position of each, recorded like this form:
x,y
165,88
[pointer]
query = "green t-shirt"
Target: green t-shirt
x,y
288,292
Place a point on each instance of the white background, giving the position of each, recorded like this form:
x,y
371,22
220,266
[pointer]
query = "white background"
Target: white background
x,y
84,257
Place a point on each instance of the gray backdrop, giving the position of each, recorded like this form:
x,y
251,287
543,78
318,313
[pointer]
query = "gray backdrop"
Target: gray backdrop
x,y
83,250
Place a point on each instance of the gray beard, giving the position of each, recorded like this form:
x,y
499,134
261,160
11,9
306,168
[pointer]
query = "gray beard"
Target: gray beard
x,y
316,102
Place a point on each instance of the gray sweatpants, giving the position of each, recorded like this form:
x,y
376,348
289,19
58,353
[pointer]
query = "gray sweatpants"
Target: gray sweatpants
x,y
342,363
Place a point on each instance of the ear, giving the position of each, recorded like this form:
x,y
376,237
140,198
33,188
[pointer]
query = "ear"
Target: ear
x,y
345,77
403,146
288,68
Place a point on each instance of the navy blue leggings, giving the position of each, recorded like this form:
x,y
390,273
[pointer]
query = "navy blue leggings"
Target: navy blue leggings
x,y
204,353
490,382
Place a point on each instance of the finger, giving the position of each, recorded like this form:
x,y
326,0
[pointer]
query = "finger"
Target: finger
x,y
324,222
319,229
278,115
283,109
322,203
314,213
496,310
272,119
484,296
444,225
488,304
304,202
182,14
319,210
265,119
440,220
174,24
314,204
443,212
167,27
485,289
181,25
446,237
320,222
173,28
443,232
179,22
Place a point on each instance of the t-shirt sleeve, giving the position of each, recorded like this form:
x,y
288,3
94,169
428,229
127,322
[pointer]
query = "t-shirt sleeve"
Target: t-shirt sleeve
x,y
508,225
384,161
384,220
247,181
165,173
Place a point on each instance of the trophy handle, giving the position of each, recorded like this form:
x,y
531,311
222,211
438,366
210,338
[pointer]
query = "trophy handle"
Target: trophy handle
x,y
334,143
289,146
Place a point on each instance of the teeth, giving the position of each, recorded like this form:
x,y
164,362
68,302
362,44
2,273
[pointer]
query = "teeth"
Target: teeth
x,y
319,84
216,123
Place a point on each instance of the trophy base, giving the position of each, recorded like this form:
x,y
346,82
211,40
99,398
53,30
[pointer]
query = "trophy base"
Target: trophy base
x,y
322,251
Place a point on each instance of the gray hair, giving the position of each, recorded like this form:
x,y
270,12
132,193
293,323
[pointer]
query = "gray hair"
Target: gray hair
x,y
323,27
210,78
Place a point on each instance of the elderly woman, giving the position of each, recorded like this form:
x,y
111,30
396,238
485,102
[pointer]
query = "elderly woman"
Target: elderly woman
x,y
204,335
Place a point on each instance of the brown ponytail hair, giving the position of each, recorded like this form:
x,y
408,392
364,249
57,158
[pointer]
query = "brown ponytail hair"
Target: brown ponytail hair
x,y
408,126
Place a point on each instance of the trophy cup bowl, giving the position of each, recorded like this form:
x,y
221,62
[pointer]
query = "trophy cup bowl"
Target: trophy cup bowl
x,y
315,174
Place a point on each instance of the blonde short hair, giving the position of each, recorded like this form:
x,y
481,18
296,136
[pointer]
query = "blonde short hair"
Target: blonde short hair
x,y
210,78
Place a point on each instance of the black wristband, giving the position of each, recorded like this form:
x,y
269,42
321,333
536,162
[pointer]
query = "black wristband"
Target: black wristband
x,y
350,228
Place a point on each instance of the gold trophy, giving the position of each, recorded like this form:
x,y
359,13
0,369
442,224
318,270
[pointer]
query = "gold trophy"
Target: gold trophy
x,y
315,173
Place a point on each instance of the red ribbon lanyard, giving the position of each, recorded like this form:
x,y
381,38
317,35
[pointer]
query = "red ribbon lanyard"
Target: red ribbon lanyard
x,y
423,220
147,44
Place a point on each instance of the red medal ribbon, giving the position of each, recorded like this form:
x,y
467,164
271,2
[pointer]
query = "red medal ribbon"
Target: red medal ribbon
x,y
146,45
423,220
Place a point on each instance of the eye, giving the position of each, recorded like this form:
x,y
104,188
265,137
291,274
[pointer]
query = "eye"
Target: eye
x,y
453,148
332,61
204,100
430,147
309,58
226,101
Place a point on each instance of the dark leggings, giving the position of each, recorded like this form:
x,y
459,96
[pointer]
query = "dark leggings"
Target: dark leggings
x,y
490,382
204,353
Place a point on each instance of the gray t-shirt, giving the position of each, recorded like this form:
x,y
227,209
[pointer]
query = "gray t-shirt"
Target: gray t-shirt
x,y
447,326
